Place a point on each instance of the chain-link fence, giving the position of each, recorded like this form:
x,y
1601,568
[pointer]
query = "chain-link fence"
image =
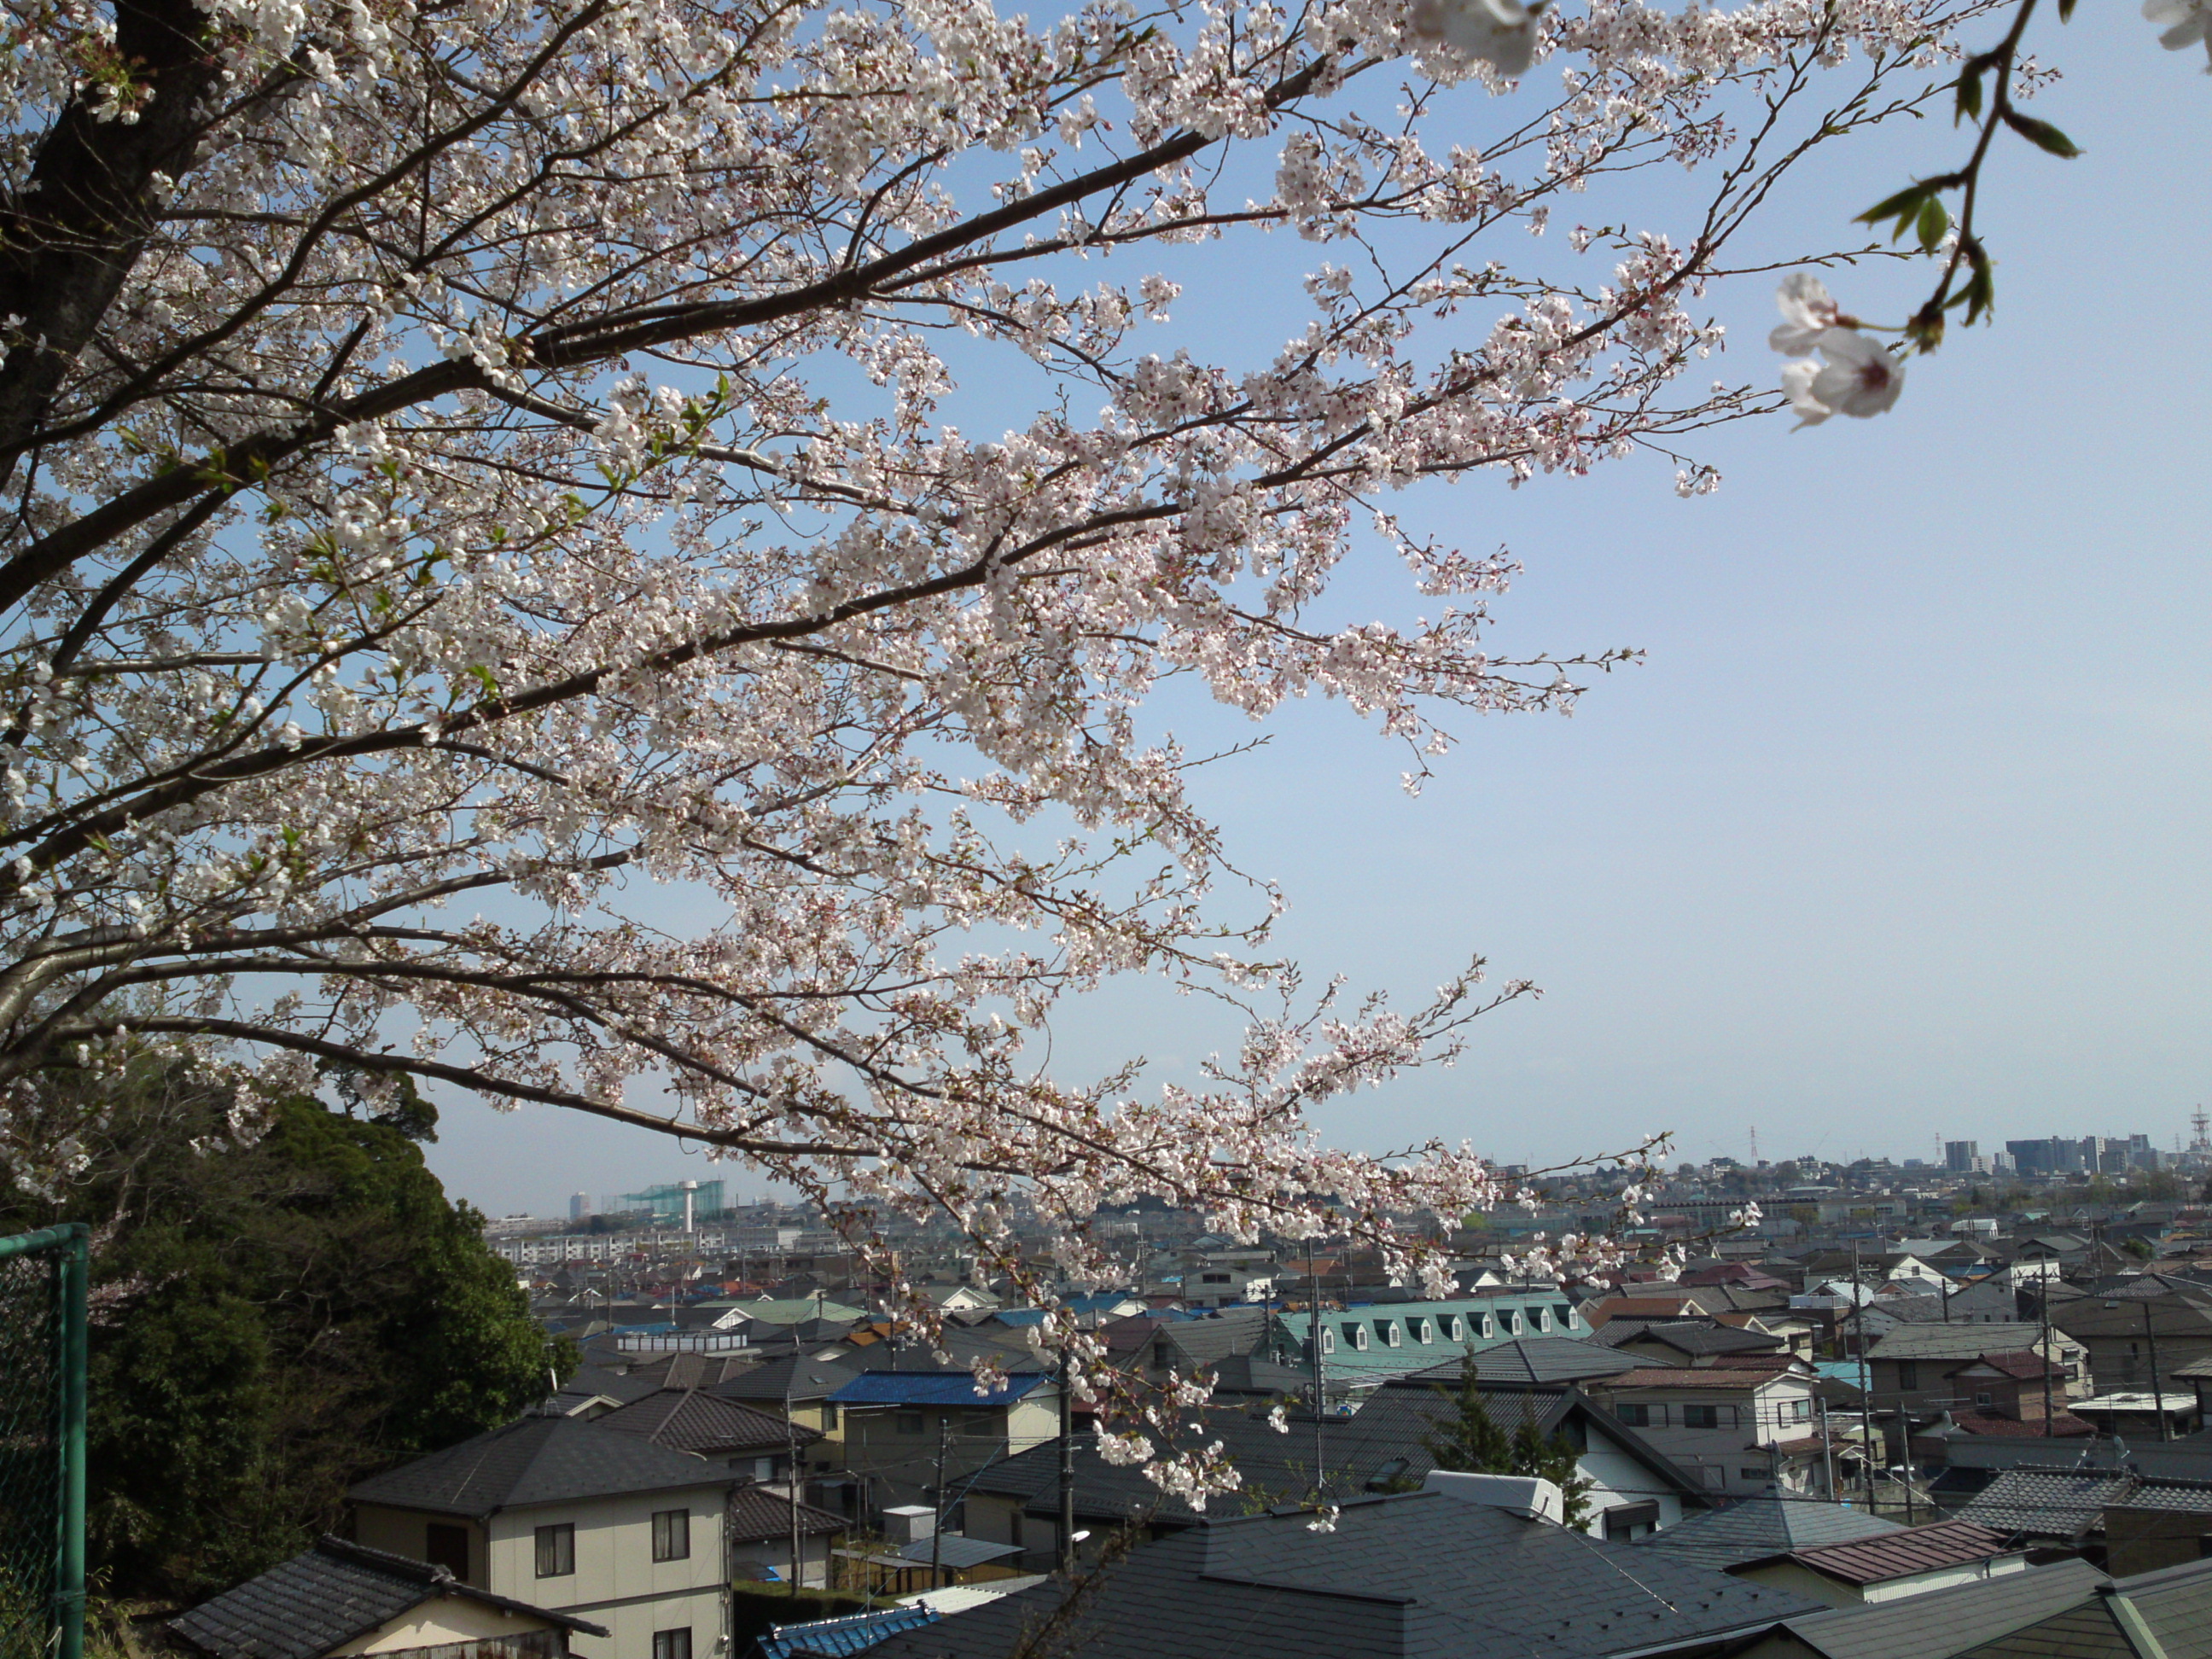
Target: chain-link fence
x,y
42,1384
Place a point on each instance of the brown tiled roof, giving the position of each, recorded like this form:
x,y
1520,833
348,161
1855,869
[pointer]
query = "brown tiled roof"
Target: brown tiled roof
x,y
2065,1426
1901,1554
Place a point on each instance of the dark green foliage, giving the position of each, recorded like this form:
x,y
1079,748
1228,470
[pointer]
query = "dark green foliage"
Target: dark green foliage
x,y
271,1322
1472,1441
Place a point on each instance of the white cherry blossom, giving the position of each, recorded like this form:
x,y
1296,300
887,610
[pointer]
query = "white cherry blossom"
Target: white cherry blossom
x,y
1500,33
615,554
1859,378
2182,24
1807,312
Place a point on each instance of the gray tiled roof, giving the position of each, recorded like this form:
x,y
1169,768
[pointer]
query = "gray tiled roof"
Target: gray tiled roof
x,y
1689,1336
1531,1360
1417,1577
536,1460
794,1376
687,1419
755,1515
1759,1528
324,1597
2060,1504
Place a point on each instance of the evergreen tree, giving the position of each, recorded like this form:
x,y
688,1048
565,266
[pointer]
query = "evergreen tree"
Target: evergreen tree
x,y
1473,1441
271,1321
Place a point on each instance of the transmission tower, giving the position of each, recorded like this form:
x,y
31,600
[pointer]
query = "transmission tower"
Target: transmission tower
x,y
1754,1145
2201,1121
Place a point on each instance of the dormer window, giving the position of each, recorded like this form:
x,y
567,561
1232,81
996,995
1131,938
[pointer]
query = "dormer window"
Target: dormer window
x,y
1451,1327
1357,1333
1424,1333
1390,1329
1328,1341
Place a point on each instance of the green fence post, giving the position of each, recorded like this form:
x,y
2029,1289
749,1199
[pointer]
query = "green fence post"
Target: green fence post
x,y
75,1263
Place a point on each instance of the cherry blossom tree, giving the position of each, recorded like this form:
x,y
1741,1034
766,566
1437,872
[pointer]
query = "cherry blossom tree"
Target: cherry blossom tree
x,y
468,463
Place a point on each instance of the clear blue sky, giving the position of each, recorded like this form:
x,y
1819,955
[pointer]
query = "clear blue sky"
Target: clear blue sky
x,y
1901,829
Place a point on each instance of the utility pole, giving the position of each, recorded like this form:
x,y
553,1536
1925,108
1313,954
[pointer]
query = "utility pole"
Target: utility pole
x,y
791,1472
2043,1318
1320,1372
937,1522
2157,1393
1866,1389
1066,1471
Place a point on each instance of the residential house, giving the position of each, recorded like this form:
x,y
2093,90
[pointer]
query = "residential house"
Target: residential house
x,y
1739,1431
1944,1623
1381,1447
912,1436
2078,1506
2118,1331
775,1539
767,1514
1909,1562
1763,1528
1913,1367
1694,1342
564,1513
1381,1339
344,1598
1386,1577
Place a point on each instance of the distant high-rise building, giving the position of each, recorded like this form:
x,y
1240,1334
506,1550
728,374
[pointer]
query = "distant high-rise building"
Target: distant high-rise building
x,y
2044,1156
1959,1156
580,1207
677,1201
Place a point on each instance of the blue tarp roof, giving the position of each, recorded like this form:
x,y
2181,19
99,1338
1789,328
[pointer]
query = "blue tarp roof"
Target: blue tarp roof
x,y
854,1634
932,1389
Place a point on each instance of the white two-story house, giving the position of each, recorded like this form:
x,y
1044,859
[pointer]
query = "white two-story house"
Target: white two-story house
x,y
570,1515
1736,1431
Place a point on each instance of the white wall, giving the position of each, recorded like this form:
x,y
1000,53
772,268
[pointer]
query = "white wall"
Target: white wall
x,y
617,1582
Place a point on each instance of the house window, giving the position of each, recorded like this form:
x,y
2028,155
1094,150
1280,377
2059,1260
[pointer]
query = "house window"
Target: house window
x,y
1701,1417
671,1541
1572,1319
1328,1341
764,1468
1636,1416
672,1643
1908,1373
1424,1333
448,1547
1359,1334
906,1422
1391,1338
828,1417
1982,1398
1486,1325
1751,1475
1543,1318
1513,1321
1802,1410
1451,1327
556,1550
